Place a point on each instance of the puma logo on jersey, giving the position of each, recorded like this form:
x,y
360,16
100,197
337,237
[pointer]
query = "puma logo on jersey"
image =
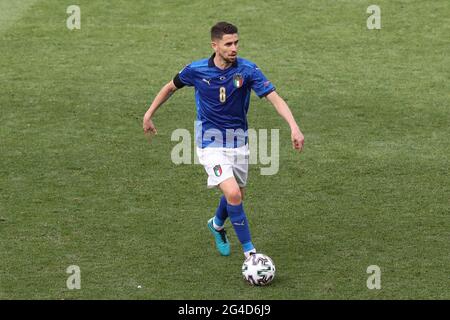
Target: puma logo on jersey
x,y
207,81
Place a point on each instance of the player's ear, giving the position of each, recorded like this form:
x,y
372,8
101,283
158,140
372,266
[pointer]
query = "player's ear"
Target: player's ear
x,y
213,45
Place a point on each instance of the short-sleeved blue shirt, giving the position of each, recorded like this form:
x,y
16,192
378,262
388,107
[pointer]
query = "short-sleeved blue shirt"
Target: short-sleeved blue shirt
x,y
222,98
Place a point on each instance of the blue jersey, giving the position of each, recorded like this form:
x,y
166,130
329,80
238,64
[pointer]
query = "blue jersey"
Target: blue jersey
x,y
222,98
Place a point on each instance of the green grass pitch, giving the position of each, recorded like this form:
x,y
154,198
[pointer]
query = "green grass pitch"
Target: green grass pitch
x,y
80,185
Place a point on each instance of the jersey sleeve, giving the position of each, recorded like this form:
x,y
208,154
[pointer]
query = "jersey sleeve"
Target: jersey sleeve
x,y
260,84
184,78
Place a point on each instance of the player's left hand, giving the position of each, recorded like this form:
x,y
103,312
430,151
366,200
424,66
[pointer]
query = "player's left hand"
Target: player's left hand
x,y
297,139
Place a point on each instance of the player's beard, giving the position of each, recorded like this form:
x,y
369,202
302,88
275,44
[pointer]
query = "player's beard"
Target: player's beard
x,y
228,60
232,59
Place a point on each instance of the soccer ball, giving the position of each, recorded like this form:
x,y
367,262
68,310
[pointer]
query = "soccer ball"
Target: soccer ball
x,y
258,269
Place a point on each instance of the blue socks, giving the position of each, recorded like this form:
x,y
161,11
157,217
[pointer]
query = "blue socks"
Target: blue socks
x,y
240,224
238,220
221,212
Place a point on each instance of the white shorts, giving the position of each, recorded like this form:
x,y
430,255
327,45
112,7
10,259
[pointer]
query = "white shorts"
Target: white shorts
x,y
223,163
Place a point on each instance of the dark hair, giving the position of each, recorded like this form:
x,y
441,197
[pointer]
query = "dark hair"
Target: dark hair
x,y
221,28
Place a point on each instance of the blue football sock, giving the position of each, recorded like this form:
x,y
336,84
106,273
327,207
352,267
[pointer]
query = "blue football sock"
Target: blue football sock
x,y
247,246
221,212
240,224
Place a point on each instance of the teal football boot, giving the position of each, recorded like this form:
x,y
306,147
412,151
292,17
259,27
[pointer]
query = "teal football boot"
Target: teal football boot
x,y
222,243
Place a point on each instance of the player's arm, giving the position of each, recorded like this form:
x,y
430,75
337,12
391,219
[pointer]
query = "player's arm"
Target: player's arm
x,y
160,98
284,111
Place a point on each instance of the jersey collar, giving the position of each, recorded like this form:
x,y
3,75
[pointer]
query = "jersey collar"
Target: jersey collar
x,y
211,63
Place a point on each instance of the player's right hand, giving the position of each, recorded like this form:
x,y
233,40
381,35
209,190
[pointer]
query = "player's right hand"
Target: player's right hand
x,y
148,126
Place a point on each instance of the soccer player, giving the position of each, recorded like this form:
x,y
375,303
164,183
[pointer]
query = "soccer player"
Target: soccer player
x,y
223,85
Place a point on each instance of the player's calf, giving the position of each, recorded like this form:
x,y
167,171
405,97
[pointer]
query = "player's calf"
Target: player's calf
x,y
240,224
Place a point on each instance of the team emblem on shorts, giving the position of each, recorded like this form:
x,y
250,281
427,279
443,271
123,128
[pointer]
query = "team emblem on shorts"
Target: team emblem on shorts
x,y
238,80
218,170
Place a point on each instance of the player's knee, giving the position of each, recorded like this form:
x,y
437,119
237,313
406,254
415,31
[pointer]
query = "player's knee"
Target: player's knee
x,y
234,197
